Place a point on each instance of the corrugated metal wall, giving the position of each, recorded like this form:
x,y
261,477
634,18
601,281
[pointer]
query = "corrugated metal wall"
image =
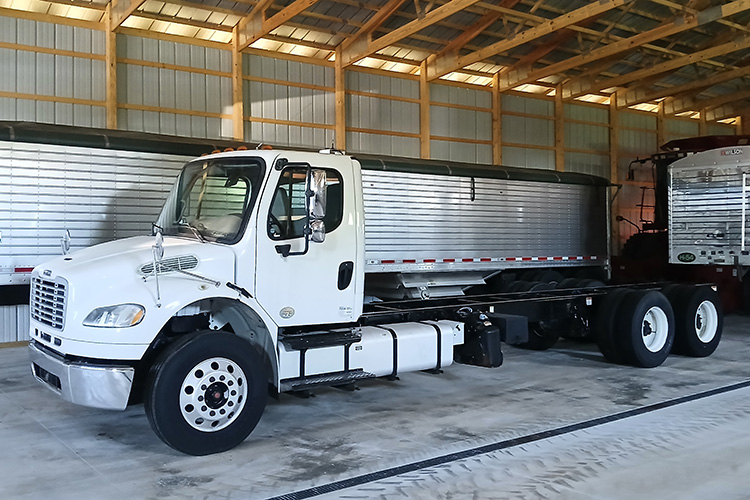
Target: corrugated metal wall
x,y
369,109
462,114
54,76
679,128
192,79
528,122
14,323
721,129
587,130
288,91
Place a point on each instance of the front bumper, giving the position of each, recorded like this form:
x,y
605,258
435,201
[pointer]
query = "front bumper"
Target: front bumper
x,y
98,386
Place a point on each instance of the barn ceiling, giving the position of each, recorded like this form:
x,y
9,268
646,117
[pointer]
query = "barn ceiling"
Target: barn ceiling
x,y
694,55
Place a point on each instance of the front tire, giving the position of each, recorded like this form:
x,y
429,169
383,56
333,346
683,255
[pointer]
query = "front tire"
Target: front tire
x,y
698,321
206,393
645,328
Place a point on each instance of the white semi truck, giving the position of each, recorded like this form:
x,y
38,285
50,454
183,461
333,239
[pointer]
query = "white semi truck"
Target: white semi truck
x,y
288,270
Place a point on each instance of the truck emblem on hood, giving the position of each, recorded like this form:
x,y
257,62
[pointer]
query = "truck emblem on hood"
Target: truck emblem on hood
x,y
286,312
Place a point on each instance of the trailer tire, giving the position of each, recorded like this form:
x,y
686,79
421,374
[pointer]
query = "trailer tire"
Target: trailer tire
x,y
206,393
645,328
698,321
604,325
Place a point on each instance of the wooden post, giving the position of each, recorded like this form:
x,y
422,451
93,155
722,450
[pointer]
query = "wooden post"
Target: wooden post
x,y
424,112
702,124
614,175
661,126
110,54
339,100
559,131
497,121
238,108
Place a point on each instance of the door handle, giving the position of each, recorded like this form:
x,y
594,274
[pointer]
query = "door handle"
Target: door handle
x,y
346,271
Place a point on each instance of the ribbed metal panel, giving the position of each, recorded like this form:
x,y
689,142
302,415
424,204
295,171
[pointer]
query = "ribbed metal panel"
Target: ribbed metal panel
x,y
707,202
391,145
528,105
637,120
585,136
380,84
586,163
461,151
583,113
414,217
458,95
14,323
98,195
527,130
288,135
528,157
677,129
382,114
460,123
637,143
293,71
719,129
281,102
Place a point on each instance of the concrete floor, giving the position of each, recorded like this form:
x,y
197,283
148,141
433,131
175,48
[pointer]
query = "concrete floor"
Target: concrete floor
x,y
388,434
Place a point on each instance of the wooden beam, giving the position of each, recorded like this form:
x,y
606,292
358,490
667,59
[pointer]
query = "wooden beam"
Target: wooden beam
x,y
661,126
121,9
374,22
627,97
424,113
582,86
238,106
362,47
497,123
614,172
706,104
447,64
526,74
559,131
110,68
254,26
339,81
183,21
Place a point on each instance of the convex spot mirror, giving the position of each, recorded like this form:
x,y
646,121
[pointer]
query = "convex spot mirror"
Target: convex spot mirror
x,y
316,208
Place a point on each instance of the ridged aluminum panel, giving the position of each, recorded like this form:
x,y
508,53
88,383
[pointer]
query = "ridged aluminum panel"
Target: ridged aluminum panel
x,y
282,102
461,151
527,130
586,163
706,210
460,123
678,129
528,105
375,113
528,157
380,84
637,120
416,217
585,136
14,323
583,113
391,145
287,135
719,129
293,71
637,143
98,195
448,94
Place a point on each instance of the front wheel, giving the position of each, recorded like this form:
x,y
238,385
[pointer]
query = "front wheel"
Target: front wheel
x,y
206,393
645,328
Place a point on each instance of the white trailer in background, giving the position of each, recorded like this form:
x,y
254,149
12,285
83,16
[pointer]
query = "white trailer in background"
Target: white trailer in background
x,y
293,269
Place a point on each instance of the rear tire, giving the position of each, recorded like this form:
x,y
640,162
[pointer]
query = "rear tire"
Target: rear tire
x,y
604,325
698,321
644,332
206,393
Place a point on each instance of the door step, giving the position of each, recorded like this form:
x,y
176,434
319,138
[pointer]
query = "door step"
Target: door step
x,y
303,341
332,379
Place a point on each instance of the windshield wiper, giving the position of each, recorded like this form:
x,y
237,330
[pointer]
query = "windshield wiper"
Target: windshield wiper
x,y
194,229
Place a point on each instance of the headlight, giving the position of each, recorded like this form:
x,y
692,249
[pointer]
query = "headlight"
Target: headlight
x,y
119,316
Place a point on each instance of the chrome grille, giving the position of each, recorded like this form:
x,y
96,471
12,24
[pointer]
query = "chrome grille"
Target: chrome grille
x,y
172,264
48,301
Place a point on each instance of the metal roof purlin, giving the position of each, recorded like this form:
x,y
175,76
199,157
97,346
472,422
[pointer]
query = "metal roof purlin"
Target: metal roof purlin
x,y
254,26
121,9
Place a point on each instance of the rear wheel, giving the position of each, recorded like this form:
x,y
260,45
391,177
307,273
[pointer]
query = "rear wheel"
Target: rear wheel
x,y
604,324
644,331
698,321
206,393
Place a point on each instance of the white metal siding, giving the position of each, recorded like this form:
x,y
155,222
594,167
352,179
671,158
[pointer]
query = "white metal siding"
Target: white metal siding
x,y
527,105
528,157
390,145
14,323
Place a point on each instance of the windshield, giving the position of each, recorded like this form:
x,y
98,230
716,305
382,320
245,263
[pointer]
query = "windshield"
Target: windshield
x,y
212,199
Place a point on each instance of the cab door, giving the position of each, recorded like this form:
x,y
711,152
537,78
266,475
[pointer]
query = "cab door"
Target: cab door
x,y
323,284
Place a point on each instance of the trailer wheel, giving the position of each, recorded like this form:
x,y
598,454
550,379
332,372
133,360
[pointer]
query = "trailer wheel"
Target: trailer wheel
x,y
645,328
698,321
206,393
604,324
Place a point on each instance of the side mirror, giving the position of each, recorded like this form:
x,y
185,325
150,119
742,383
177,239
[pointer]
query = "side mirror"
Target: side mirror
x,y
316,193
317,231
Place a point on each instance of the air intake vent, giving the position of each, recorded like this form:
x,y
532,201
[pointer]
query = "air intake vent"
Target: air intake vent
x,y
48,301
170,265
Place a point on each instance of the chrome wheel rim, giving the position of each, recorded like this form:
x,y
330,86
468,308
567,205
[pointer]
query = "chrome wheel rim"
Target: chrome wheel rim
x,y
212,394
